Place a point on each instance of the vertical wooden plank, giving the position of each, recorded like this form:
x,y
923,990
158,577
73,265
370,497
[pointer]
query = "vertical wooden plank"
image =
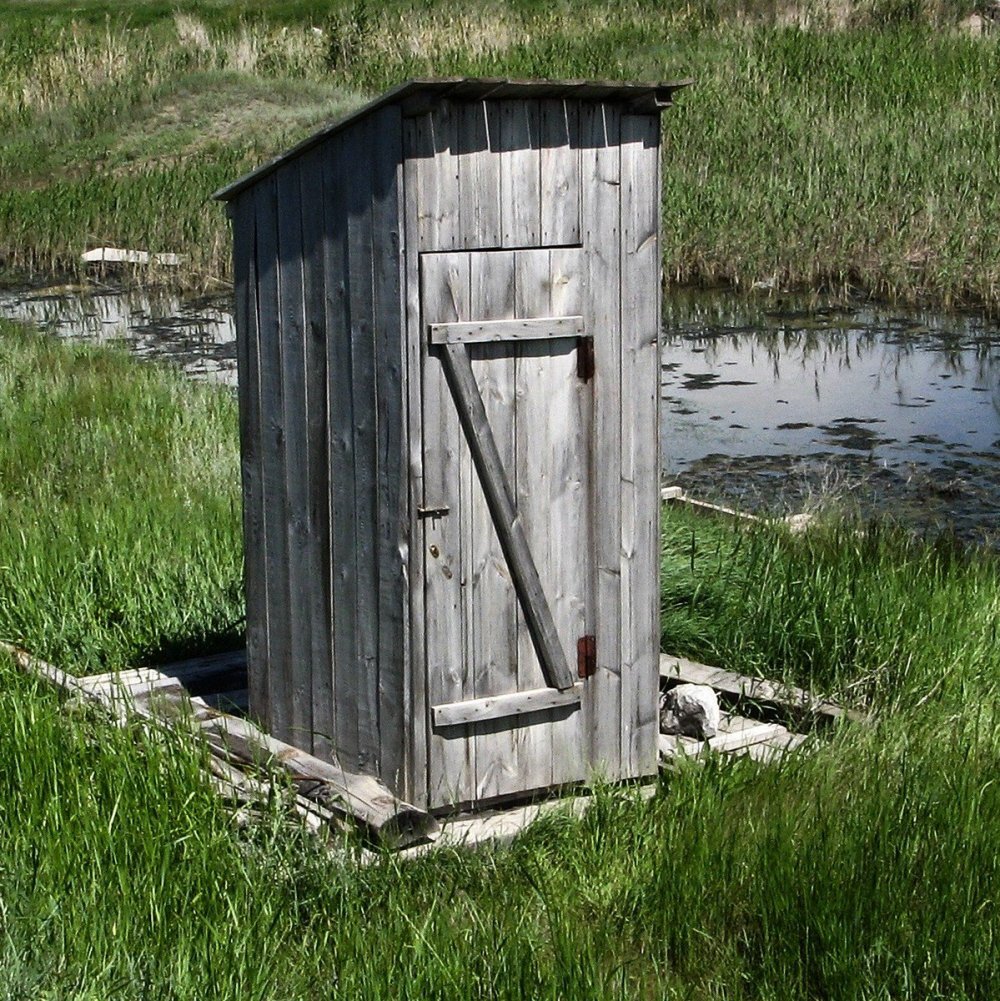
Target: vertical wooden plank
x,y
640,264
437,178
337,177
520,174
293,379
478,174
273,460
318,563
560,172
570,429
494,601
600,211
532,490
391,505
357,152
445,297
415,711
243,212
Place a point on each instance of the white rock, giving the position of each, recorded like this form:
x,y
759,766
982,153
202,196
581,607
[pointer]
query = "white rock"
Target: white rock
x,y
691,711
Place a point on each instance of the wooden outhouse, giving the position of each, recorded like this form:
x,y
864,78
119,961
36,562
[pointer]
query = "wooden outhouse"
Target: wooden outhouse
x,y
448,319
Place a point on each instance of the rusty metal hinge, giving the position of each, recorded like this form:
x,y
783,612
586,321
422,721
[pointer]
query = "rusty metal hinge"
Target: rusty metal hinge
x,y
586,656
585,358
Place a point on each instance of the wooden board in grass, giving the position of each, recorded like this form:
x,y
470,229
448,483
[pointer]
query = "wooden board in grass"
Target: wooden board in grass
x,y
146,694
681,669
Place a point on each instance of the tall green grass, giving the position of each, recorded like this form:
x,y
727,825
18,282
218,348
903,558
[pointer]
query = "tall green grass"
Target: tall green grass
x,y
865,868
119,507
888,620
840,146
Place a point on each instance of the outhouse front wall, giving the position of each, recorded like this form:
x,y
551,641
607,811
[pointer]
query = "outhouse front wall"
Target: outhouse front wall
x,y
517,208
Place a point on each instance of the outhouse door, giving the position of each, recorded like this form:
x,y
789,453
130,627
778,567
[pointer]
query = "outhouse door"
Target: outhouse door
x,y
507,429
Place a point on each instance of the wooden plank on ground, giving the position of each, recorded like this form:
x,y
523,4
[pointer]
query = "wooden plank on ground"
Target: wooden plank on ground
x,y
746,737
499,827
348,794
773,750
757,689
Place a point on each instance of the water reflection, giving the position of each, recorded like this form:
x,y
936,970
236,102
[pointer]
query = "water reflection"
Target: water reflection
x,y
779,408
196,334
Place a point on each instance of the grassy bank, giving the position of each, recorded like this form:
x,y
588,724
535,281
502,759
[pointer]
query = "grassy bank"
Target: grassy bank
x,y
119,507
824,145
867,869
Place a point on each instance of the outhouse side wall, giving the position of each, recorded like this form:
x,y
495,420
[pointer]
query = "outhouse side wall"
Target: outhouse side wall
x,y
318,300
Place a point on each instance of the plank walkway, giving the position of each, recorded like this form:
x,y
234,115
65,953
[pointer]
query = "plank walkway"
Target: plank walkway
x,y
759,690
243,759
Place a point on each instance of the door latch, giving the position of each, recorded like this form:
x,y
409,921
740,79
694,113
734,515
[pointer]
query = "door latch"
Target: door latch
x,y
433,512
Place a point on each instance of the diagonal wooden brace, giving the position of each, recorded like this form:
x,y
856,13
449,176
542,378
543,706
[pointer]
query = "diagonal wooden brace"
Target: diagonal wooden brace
x,y
510,530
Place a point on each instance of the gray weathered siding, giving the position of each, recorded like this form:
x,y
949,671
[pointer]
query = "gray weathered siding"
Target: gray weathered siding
x,y
469,211
320,356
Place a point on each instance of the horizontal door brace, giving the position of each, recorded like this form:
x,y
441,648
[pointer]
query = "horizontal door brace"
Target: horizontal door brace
x,y
488,331
503,706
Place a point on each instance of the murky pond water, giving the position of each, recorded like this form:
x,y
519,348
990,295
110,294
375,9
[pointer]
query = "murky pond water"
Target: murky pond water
x,y
196,334
767,405
777,407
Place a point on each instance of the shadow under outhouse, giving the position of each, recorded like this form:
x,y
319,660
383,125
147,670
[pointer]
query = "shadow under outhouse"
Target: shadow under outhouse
x,y
448,324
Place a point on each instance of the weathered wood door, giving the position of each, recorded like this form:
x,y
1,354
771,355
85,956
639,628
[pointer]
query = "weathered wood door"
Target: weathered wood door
x,y
506,521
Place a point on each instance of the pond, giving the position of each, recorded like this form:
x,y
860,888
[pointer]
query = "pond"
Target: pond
x,y
196,334
784,407
776,405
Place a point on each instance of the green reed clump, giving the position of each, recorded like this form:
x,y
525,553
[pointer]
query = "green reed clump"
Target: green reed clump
x,y
888,619
119,507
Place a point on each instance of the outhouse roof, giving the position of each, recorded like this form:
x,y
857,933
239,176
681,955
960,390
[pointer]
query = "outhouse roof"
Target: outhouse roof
x,y
418,96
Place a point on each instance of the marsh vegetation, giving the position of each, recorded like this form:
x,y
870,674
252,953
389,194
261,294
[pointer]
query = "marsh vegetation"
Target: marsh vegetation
x,y
850,145
847,146
866,868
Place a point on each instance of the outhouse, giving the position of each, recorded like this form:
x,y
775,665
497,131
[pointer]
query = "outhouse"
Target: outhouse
x,y
447,321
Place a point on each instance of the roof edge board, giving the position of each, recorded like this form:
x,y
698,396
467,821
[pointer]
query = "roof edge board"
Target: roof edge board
x,y
420,95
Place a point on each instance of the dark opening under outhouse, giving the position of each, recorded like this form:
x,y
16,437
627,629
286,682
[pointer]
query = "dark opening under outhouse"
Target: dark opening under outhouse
x,y
448,329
